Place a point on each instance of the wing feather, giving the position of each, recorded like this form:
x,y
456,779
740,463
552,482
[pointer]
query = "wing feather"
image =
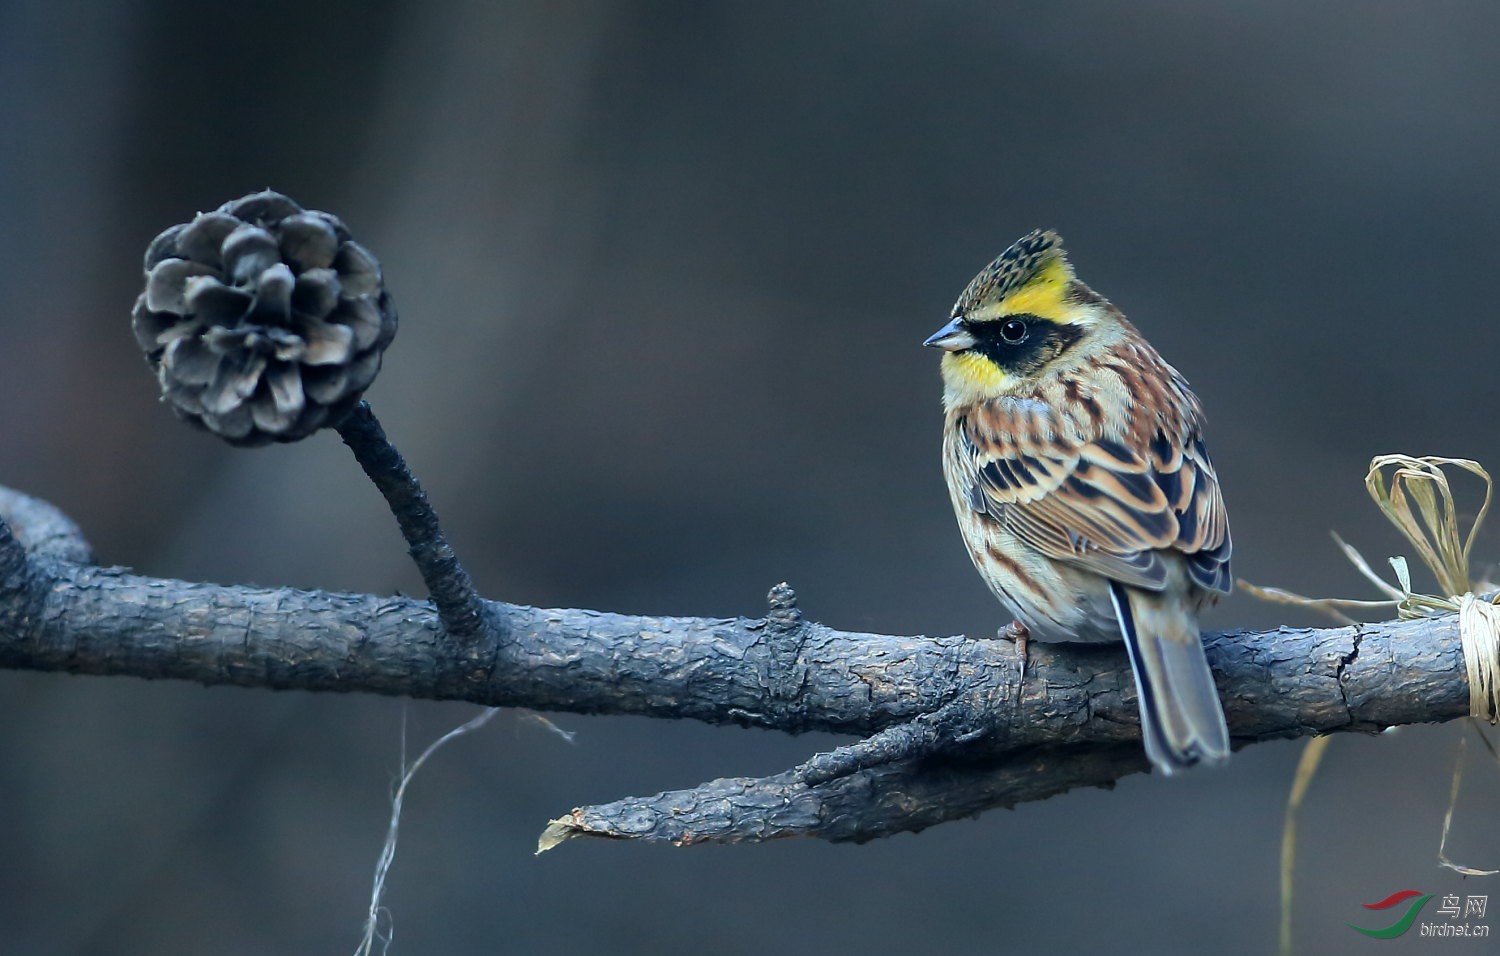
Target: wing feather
x,y
1101,505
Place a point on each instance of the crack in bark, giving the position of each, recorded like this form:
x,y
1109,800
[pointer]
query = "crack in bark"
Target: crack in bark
x,y
1345,662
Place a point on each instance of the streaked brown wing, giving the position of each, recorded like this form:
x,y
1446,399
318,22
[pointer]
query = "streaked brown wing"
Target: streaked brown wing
x,y
1104,507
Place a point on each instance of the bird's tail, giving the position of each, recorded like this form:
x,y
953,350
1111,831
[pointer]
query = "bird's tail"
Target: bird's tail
x,y
1182,721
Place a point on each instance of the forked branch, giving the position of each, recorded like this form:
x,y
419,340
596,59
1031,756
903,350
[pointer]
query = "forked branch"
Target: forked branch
x,y
944,729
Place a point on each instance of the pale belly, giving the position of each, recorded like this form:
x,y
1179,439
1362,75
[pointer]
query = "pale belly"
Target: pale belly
x,y
1056,602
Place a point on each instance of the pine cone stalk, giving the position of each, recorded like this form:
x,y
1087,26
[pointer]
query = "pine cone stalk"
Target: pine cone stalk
x,y
265,322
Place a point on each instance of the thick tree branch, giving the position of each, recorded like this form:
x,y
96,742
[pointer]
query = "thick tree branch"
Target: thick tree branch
x,y
949,732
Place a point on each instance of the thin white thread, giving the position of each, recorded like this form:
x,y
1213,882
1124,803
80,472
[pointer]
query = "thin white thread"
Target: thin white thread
x,y
388,852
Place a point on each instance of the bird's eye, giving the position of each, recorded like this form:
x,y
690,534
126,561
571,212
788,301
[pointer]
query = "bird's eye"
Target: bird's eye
x,y
1013,331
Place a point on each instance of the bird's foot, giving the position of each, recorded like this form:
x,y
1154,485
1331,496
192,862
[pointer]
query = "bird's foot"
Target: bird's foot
x,y
1020,635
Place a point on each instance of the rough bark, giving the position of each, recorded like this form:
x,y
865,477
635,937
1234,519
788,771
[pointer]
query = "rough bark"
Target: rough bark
x,y
947,728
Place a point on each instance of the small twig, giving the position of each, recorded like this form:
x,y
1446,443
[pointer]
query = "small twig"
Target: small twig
x,y
905,796
458,604
942,730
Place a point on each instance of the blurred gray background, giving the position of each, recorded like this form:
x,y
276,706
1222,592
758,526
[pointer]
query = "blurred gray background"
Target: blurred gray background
x,y
663,271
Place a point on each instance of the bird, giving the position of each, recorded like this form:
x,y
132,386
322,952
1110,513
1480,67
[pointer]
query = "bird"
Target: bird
x,y
1075,462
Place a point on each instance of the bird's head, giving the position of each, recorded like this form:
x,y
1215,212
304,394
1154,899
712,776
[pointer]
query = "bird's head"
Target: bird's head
x,y
1024,317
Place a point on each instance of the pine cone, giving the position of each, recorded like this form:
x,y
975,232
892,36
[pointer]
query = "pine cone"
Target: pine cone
x,y
263,321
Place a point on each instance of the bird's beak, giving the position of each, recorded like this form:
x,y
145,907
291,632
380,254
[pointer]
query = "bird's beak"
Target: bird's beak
x,y
952,337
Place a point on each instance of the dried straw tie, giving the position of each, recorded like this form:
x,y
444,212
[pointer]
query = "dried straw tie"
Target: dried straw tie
x,y
1432,528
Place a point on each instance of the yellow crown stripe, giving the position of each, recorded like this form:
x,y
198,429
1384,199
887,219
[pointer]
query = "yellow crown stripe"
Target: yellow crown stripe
x,y
1043,295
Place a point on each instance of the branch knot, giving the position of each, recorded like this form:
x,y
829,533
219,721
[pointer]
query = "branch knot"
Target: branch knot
x,y
784,615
